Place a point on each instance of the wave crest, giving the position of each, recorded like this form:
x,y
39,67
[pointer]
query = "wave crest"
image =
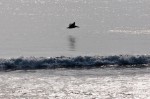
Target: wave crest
x,y
121,61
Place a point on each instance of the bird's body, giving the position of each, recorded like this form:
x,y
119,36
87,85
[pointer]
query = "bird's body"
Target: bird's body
x,y
72,25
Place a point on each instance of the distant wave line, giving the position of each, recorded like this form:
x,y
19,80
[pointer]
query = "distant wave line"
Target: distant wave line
x,y
131,31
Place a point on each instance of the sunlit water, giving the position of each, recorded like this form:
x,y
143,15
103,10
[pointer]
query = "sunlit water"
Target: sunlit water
x,y
107,27
76,84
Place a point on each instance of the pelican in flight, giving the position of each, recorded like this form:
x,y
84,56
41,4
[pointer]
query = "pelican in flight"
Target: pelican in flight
x,y
72,25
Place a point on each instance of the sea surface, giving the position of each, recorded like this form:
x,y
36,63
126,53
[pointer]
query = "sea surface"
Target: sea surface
x,y
107,27
108,57
76,84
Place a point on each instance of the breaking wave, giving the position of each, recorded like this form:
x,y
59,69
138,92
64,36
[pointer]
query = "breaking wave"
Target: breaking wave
x,y
121,61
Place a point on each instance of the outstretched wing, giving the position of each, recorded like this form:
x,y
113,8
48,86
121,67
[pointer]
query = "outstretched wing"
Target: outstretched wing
x,y
73,23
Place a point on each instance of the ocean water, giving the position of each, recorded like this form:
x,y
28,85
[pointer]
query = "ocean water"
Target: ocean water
x,y
38,27
76,84
79,62
113,34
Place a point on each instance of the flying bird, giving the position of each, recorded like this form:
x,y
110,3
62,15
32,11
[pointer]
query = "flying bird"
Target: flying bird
x,y
72,25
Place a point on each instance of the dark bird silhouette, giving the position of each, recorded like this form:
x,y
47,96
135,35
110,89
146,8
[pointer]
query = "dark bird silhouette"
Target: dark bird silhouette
x,y
72,25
